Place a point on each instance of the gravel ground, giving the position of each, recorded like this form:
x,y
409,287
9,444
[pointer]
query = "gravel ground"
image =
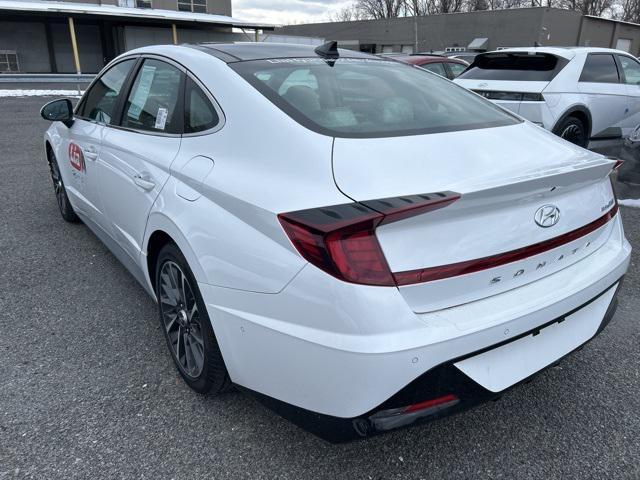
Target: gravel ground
x,y
88,389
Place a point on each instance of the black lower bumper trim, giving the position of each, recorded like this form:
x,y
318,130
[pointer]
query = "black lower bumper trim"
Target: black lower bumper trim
x,y
444,379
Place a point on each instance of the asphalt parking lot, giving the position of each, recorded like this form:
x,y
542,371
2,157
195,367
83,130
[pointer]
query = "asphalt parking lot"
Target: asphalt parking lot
x,y
88,389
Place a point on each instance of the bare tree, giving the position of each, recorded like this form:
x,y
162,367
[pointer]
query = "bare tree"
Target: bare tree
x,y
381,8
346,14
416,8
629,11
588,7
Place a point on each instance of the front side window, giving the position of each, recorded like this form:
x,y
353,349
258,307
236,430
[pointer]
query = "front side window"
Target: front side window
x,y
519,66
600,68
100,101
199,112
352,97
631,70
435,68
154,101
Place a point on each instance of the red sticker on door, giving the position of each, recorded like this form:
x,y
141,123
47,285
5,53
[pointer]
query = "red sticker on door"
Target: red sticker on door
x,y
76,157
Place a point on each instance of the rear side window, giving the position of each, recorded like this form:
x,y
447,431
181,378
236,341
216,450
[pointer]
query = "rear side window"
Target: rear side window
x,y
199,113
522,66
365,98
435,68
154,103
100,102
600,68
456,68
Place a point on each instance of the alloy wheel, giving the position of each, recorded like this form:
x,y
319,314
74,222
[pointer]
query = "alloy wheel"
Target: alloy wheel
x,y
181,319
58,185
574,134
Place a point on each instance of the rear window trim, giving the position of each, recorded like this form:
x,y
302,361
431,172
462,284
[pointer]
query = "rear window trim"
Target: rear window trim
x,y
222,119
303,120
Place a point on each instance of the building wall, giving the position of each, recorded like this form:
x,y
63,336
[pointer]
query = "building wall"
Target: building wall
x,y
218,7
93,2
630,32
596,33
191,35
89,47
562,27
29,40
504,28
165,4
135,37
513,27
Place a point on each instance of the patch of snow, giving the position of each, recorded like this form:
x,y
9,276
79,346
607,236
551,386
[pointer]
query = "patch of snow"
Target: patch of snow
x,y
39,93
633,203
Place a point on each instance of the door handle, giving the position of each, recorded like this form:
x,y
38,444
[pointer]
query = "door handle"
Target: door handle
x,y
144,183
90,152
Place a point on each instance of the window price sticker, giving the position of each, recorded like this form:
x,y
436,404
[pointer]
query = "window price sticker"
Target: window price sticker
x,y
161,118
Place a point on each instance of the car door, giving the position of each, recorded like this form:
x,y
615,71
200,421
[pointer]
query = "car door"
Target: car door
x,y
605,94
137,153
630,68
92,115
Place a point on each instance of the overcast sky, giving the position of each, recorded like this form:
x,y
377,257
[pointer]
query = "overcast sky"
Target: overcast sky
x,y
286,11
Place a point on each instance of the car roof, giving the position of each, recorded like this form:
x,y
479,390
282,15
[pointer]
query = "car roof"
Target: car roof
x,y
565,52
422,59
242,51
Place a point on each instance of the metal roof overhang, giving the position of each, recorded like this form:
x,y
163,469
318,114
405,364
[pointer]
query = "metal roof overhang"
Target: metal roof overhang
x,y
112,12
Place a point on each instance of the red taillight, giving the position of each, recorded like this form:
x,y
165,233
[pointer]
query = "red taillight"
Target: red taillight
x,y
440,401
341,239
613,176
618,164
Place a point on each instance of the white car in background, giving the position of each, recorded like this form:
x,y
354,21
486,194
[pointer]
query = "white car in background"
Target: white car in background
x,y
578,93
361,243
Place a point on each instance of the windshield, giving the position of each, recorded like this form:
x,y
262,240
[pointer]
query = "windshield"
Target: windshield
x,y
523,66
364,98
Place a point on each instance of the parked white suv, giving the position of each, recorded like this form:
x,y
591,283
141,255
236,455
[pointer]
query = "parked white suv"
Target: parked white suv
x,y
578,93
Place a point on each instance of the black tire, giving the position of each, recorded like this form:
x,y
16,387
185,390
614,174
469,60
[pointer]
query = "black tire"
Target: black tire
x,y
190,333
573,130
66,210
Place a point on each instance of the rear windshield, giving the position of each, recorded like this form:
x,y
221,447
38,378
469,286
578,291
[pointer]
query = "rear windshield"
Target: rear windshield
x,y
368,98
523,66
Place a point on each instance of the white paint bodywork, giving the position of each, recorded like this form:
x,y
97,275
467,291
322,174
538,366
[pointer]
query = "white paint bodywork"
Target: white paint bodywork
x,y
287,329
610,105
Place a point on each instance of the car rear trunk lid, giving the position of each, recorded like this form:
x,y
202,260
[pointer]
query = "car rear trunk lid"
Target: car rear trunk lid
x,y
504,176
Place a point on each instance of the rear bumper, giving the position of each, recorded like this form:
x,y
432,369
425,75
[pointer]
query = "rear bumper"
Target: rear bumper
x,y
338,351
445,381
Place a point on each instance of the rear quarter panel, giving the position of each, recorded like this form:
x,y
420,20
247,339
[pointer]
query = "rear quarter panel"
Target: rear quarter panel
x,y
265,163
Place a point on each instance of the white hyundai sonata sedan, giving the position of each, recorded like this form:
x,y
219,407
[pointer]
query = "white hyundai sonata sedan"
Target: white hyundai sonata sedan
x,y
360,243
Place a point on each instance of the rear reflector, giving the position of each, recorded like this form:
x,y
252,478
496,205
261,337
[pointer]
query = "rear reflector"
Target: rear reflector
x,y
476,265
341,239
399,417
511,96
430,403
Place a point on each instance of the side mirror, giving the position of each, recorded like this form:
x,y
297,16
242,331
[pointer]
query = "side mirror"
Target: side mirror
x,y
58,111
